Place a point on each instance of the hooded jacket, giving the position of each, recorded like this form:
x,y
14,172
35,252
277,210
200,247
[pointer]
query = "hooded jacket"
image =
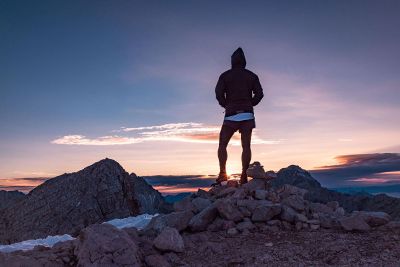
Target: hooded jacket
x,y
238,89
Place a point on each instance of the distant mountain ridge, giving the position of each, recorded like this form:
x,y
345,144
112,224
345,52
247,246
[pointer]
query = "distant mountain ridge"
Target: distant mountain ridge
x,y
299,177
70,202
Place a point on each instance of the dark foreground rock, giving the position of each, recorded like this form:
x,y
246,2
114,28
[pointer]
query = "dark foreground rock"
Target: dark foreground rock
x,y
70,202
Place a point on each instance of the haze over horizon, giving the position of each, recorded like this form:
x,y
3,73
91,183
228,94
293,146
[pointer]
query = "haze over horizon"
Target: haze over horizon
x,y
134,81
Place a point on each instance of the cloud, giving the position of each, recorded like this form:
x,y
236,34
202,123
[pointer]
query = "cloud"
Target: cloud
x,y
189,132
361,168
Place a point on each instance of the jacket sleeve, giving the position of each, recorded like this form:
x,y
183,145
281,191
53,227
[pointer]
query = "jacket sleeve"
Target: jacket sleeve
x,y
220,91
257,92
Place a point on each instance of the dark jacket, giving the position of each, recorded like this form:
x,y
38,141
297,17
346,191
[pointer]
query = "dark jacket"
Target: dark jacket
x,y
238,89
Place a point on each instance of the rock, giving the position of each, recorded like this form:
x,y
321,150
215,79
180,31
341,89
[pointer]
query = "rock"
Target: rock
x,y
201,203
298,225
314,226
260,194
300,218
327,221
251,205
232,183
354,223
178,220
156,260
265,212
220,224
184,204
294,201
228,211
373,218
232,231
104,244
169,240
256,184
241,193
277,223
288,226
270,175
200,221
226,192
203,193
287,190
340,212
321,208
8,198
256,171
288,214
333,205
70,202
245,212
245,225
273,196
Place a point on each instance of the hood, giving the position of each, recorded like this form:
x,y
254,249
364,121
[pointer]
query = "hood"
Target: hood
x,y
238,59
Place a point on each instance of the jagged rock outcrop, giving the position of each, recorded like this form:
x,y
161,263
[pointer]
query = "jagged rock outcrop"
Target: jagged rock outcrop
x,y
70,202
294,175
8,198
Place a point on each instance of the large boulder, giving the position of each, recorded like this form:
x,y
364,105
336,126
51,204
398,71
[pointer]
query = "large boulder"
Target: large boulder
x,y
228,211
200,221
178,220
105,245
265,213
354,223
373,218
169,240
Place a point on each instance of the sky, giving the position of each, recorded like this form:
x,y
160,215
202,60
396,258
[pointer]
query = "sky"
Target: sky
x,y
134,81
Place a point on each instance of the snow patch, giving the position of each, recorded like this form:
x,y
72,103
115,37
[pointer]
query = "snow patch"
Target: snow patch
x,y
30,244
139,222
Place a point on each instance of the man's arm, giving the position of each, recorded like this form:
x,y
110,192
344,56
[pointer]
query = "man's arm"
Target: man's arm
x,y
257,91
220,91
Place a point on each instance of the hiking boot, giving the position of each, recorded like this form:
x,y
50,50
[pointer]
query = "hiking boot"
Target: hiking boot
x,y
222,177
243,178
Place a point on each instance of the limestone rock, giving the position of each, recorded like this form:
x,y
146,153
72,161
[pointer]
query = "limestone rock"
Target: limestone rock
x,y
256,171
373,218
201,203
260,194
265,212
156,260
294,201
103,244
169,240
201,220
229,211
178,220
354,223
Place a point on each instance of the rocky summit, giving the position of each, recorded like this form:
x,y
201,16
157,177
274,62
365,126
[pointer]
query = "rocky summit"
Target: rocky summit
x,y
70,202
255,224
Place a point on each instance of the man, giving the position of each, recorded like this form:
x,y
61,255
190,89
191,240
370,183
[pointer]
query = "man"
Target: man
x,y
238,90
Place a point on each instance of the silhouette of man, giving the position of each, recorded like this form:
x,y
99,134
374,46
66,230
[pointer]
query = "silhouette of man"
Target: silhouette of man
x,y
238,90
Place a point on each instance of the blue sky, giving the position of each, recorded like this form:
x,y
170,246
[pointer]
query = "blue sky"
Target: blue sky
x,y
82,70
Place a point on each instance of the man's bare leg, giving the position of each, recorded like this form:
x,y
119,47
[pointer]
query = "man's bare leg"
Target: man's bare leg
x,y
246,153
224,137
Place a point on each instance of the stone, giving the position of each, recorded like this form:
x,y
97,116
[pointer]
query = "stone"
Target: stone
x,y
220,224
298,226
226,192
241,193
178,220
286,225
200,221
104,244
156,260
340,212
333,205
245,225
314,226
169,240
251,205
273,196
270,175
354,223
265,212
228,211
256,171
321,208
245,212
260,194
232,183
256,184
373,218
294,201
287,190
300,217
201,203
184,204
288,214
275,223
232,231
203,193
